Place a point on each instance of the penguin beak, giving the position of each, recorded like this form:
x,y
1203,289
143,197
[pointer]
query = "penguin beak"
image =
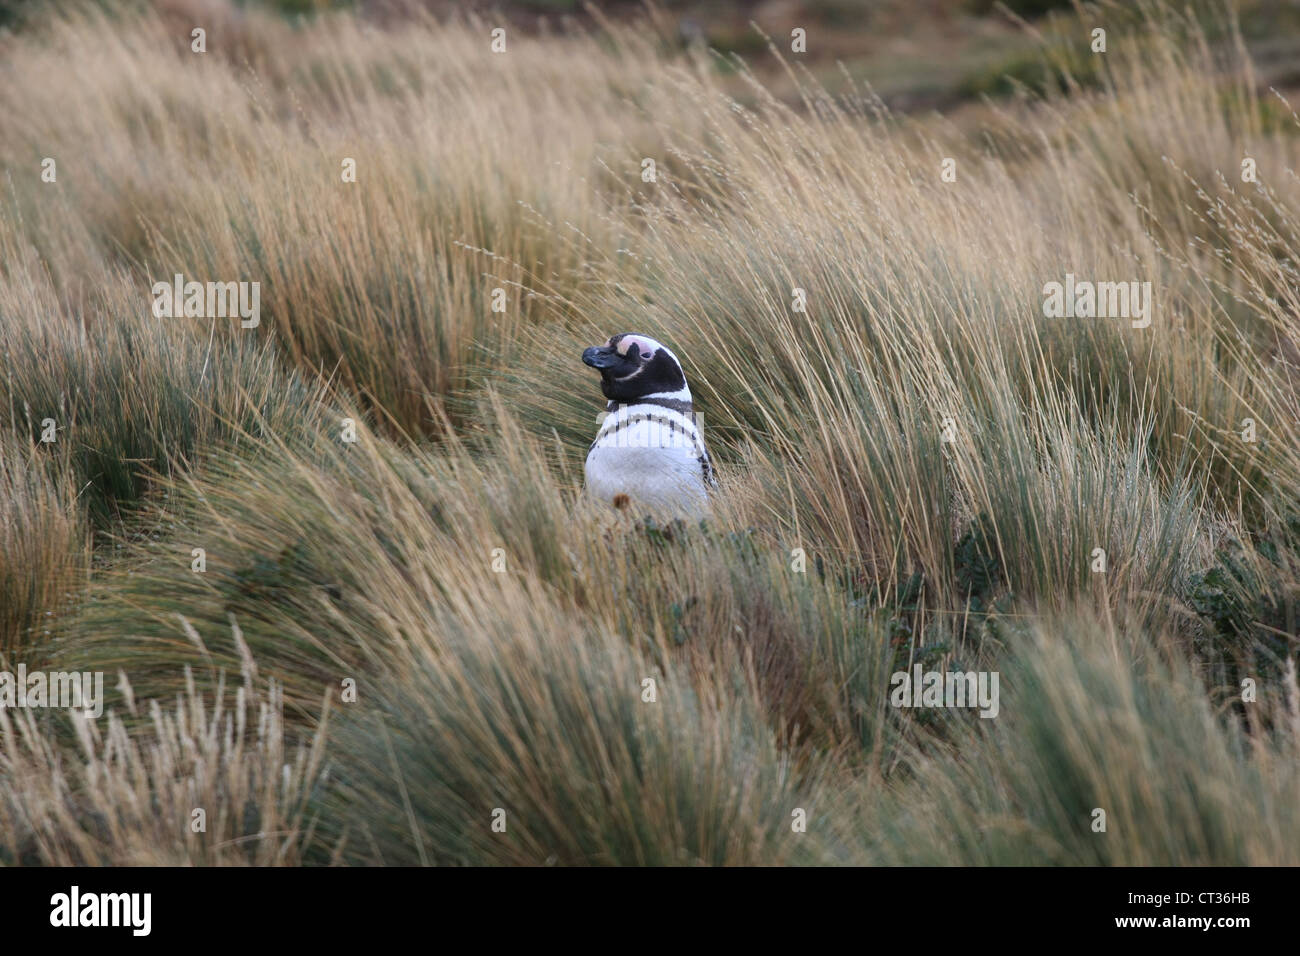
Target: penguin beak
x,y
601,356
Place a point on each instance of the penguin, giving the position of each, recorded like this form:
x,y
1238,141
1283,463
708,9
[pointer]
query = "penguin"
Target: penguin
x,y
649,454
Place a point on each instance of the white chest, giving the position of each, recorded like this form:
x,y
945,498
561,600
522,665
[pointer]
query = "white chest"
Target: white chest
x,y
653,459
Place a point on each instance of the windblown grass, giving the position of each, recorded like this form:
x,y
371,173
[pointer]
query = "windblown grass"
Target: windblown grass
x,y
117,394
44,545
213,782
386,283
918,467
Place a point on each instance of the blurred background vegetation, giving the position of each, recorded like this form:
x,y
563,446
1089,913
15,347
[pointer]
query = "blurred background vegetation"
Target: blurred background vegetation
x,y
916,54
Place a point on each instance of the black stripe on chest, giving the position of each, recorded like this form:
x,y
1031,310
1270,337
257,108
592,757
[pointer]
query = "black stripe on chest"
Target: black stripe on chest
x,y
672,404
635,419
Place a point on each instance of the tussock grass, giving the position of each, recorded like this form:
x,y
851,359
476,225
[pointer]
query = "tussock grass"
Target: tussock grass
x,y
44,544
116,394
919,467
329,557
124,799
1099,719
550,726
386,283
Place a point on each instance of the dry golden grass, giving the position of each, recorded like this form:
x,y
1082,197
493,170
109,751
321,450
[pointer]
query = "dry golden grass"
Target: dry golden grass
x,y
500,631
131,799
44,546
386,283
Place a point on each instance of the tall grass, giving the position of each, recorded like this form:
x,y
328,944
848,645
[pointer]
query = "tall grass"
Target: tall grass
x,y
921,387
44,545
386,282
117,394
918,466
210,782
1098,721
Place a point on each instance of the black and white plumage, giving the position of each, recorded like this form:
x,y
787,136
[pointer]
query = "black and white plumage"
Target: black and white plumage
x,y
649,454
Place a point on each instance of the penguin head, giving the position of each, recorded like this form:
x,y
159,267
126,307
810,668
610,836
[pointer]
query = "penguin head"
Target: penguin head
x,y
633,366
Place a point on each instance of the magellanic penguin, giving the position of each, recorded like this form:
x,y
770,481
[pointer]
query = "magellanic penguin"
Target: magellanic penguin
x,y
649,455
